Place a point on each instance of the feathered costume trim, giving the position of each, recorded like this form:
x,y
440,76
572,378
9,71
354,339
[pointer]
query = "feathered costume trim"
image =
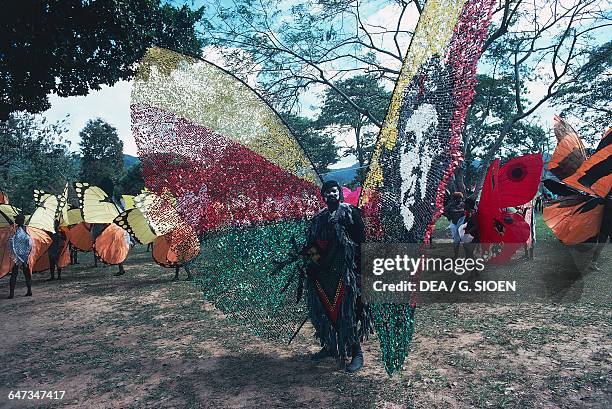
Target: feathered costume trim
x,y
353,323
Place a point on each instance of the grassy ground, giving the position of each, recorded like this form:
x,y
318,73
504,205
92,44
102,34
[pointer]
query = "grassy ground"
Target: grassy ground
x,y
144,340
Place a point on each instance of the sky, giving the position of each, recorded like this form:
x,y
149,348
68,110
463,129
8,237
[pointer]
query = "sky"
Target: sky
x,y
112,103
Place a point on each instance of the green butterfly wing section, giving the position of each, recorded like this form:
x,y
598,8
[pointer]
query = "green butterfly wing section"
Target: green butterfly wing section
x,y
247,274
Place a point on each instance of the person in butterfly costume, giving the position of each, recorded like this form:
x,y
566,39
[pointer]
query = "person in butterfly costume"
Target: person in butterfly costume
x,y
335,309
153,219
24,241
59,256
243,182
110,242
20,244
581,216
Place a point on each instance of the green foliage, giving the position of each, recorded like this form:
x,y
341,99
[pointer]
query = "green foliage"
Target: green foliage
x,y
588,98
101,152
34,155
363,91
492,106
132,182
319,147
68,47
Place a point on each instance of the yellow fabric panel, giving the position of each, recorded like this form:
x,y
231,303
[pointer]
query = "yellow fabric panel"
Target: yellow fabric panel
x,y
46,211
74,217
96,206
7,215
134,222
128,201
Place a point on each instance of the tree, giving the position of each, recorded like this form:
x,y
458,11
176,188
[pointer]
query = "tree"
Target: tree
x,y
69,47
295,45
34,155
101,152
549,45
132,182
491,107
326,41
589,97
319,147
363,90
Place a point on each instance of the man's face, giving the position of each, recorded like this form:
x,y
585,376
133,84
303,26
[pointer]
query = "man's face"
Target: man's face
x,y
332,195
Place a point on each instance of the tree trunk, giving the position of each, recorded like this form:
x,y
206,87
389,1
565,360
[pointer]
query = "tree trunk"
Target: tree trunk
x,y
360,155
459,177
486,161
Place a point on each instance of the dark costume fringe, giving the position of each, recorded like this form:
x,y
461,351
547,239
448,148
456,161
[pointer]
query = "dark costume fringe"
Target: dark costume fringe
x,y
354,321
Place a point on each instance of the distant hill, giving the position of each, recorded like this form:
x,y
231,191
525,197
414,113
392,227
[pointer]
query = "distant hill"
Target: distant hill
x,y
129,161
343,176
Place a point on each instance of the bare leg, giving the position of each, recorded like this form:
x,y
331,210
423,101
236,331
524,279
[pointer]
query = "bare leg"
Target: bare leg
x,y
14,273
28,276
52,268
73,255
121,270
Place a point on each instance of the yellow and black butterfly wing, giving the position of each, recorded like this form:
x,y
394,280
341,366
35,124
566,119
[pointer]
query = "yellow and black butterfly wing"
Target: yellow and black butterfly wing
x,y
8,214
48,209
96,206
134,222
64,207
74,216
159,212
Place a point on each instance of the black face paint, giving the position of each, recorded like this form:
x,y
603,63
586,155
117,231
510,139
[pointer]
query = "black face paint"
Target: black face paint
x,y
332,197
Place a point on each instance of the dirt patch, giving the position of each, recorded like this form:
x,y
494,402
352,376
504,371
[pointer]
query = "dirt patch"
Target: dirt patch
x,y
143,340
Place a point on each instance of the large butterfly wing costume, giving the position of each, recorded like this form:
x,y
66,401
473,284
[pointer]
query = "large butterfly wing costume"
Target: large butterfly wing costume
x,y
419,145
240,179
38,225
110,242
502,231
154,219
52,208
243,182
583,211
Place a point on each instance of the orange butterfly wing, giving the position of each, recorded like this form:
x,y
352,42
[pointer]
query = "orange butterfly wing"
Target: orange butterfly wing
x,y
569,154
595,174
574,219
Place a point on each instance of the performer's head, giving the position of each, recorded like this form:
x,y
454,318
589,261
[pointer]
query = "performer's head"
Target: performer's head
x,y
331,192
470,203
20,219
457,197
